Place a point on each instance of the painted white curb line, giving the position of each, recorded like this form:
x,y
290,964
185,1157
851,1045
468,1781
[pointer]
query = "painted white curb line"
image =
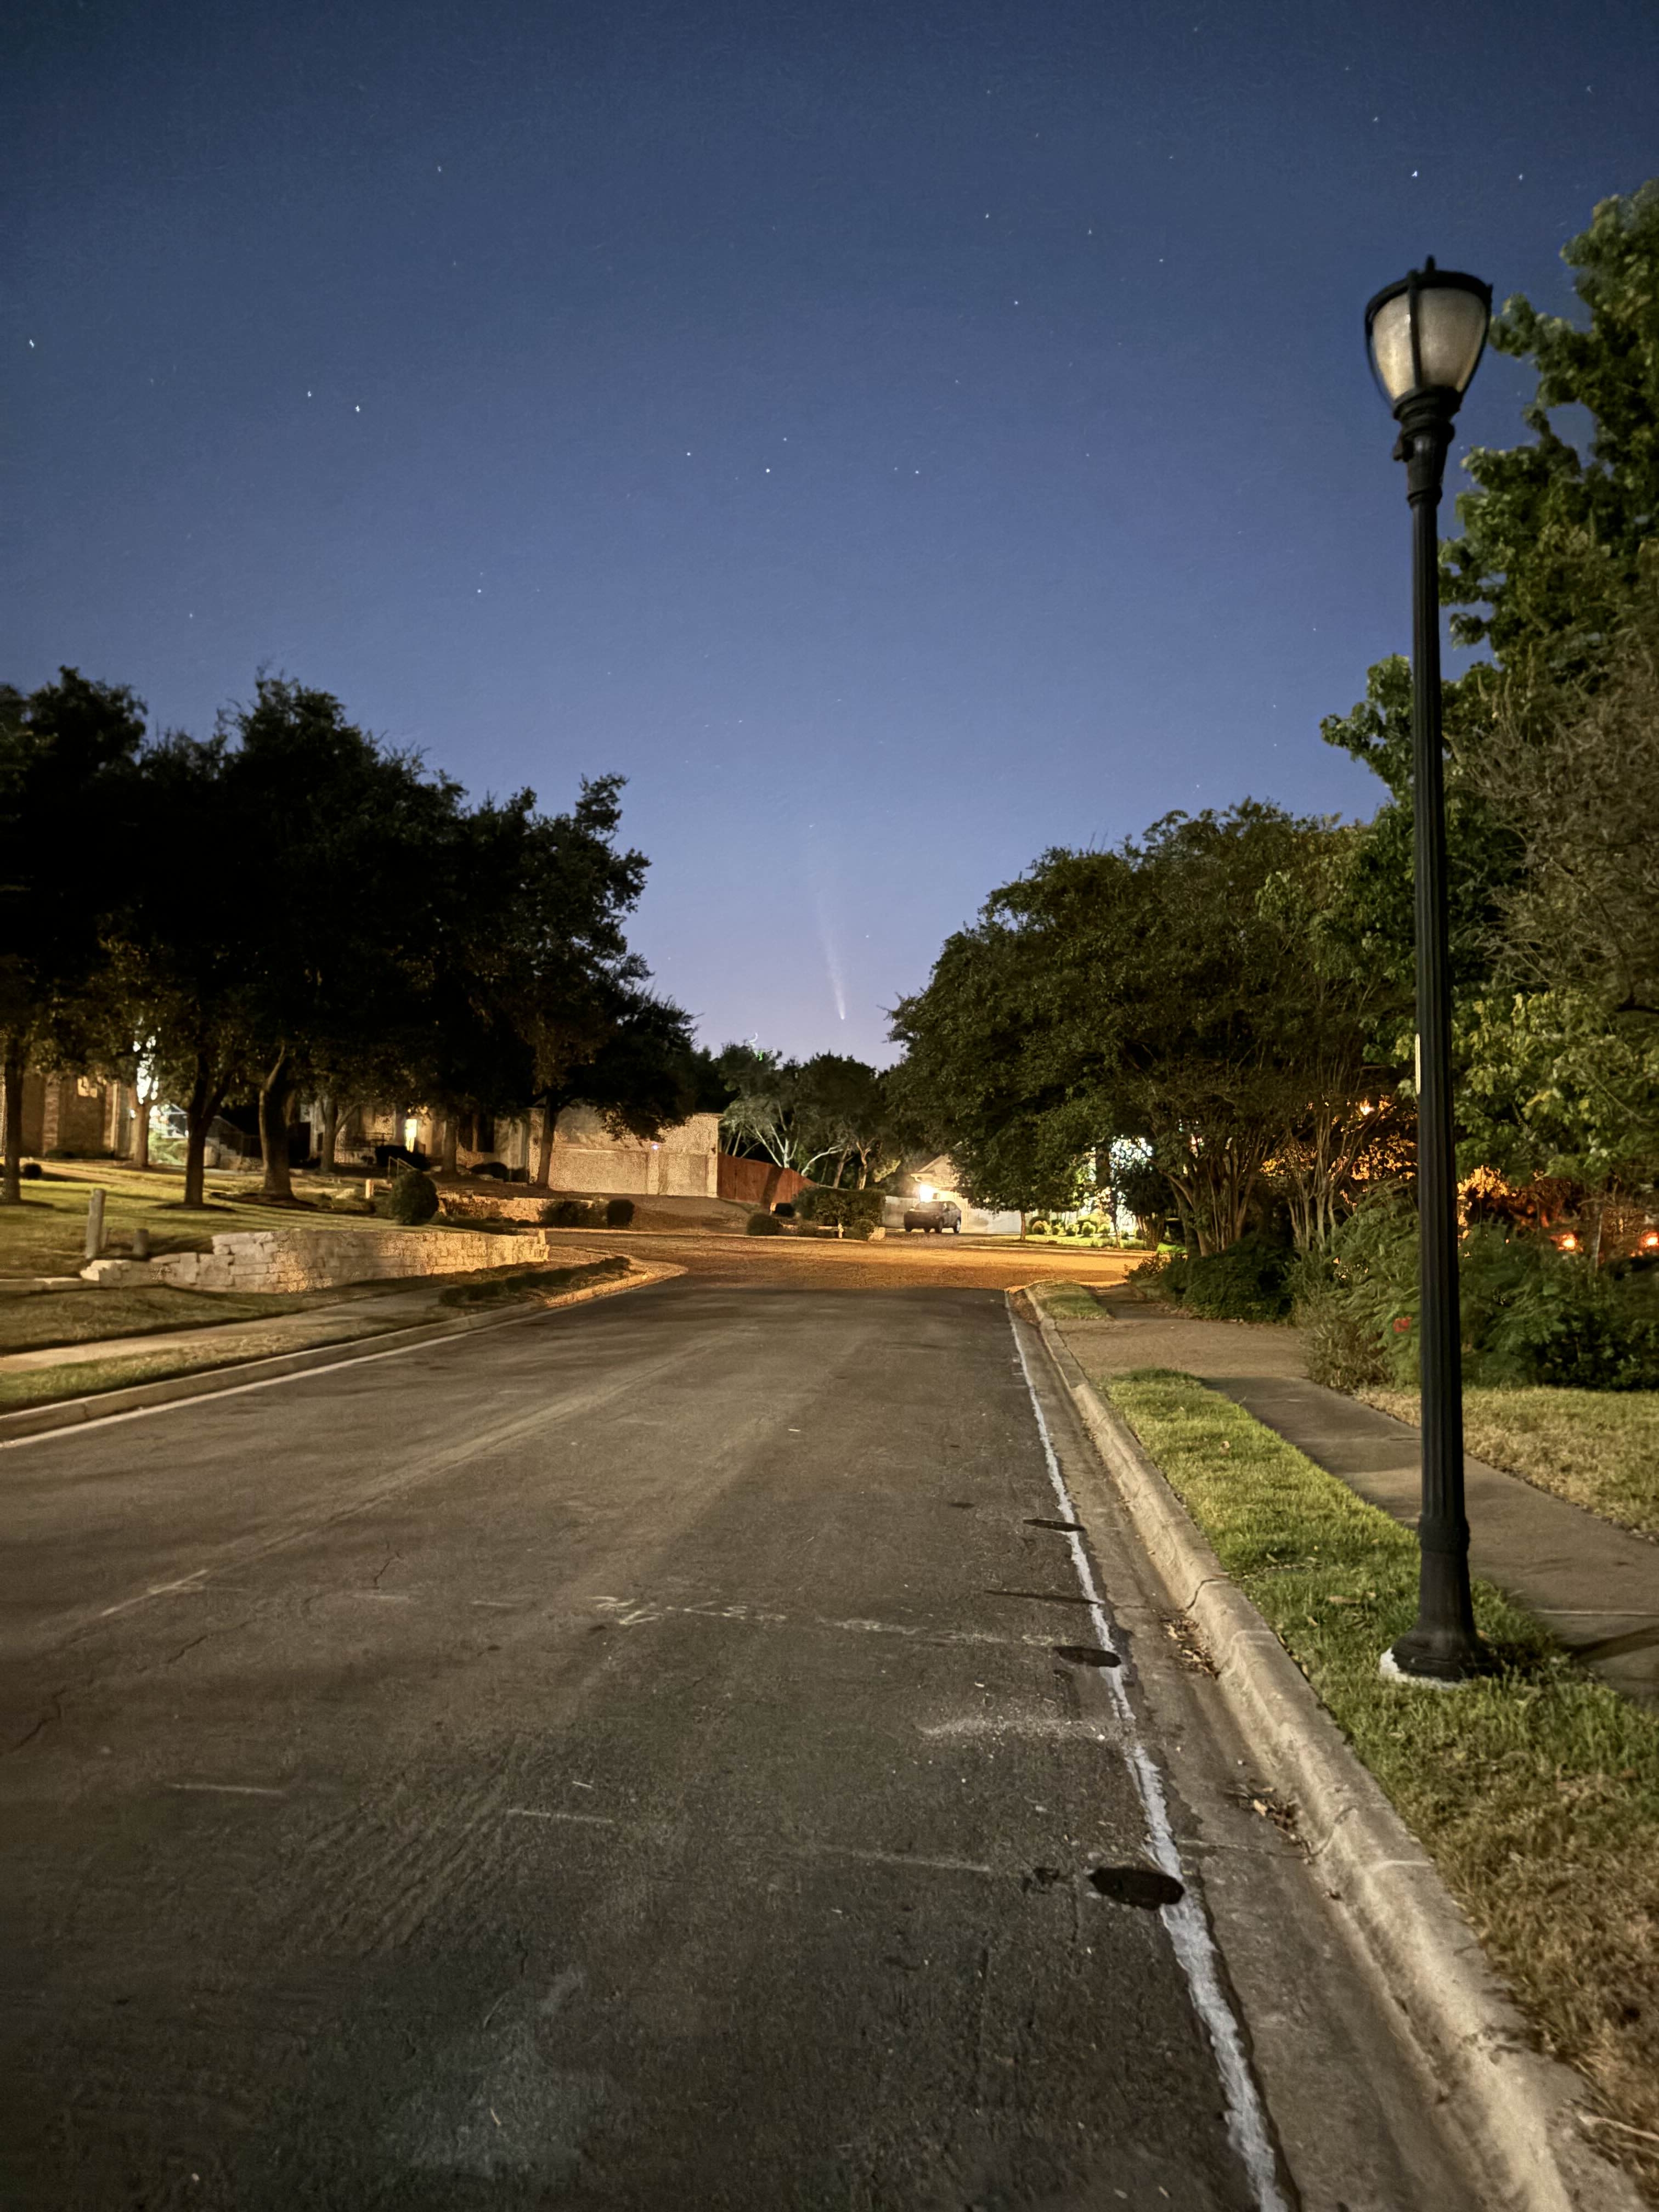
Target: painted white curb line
x,y
1519,2107
244,1375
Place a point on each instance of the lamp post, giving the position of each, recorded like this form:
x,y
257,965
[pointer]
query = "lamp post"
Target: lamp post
x,y
1426,335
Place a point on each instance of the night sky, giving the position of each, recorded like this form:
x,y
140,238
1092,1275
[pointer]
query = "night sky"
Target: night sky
x,y
897,438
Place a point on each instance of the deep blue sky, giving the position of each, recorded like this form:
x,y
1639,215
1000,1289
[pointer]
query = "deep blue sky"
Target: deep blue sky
x,y
897,437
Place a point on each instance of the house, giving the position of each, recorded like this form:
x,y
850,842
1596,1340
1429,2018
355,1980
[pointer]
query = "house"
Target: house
x,y
938,1179
85,1116
682,1163
74,1116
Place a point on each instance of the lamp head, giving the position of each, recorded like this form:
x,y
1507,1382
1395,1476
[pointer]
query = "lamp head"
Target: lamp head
x,y
1426,335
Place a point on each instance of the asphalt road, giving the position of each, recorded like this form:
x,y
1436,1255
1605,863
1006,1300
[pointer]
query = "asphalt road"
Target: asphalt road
x,y
625,1758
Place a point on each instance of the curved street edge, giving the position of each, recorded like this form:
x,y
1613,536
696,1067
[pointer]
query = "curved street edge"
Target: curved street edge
x,y
1522,2107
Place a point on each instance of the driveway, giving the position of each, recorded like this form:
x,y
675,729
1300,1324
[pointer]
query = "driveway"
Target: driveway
x,y
647,1755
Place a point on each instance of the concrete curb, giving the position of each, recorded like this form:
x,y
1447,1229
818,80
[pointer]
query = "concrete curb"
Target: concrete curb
x,y
210,1382
1520,2107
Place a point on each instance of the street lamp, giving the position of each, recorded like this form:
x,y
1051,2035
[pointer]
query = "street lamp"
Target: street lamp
x,y
1426,335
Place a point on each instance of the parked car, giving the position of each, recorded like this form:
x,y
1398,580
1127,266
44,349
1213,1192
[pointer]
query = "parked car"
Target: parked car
x,y
934,1216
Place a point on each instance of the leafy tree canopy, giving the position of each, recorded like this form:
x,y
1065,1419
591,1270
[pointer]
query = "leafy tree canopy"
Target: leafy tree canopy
x,y
67,760
1551,537
1185,989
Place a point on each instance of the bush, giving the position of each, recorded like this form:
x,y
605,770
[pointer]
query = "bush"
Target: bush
x,y
763,1224
1036,1229
1249,1281
572,1213
412,1198
854,1212
1530,1314
618,1212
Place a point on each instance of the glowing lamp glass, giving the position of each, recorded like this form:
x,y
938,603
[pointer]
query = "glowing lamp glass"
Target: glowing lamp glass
x,y
1426,333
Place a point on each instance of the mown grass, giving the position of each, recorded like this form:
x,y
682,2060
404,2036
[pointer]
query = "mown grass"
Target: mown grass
x,y
32,1320
85,1378
1598,1448
79,1378
1536,1792
535,1282
46,1234
1071,1302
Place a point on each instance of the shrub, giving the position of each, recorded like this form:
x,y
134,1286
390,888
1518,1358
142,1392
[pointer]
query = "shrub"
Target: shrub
x,y
1249,1281
618,1212
1341,1352
763,1224
1530,1314
412,1198
854,1212
571,1213
1149,1278
1036,1229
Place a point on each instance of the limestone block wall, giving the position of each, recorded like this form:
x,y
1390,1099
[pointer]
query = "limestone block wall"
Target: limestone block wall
x,y
316,1259
476,1205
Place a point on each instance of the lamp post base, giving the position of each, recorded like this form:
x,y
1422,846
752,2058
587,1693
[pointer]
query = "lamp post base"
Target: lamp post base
x,y
1434,1662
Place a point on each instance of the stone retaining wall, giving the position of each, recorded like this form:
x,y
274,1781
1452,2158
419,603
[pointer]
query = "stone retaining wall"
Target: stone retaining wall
x,y
475,1205
316,1259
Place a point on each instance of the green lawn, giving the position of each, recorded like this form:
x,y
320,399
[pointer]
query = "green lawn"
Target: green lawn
x,y
1598,1448
31,1320
1070,1302
1536,1793
46,1234
82,1378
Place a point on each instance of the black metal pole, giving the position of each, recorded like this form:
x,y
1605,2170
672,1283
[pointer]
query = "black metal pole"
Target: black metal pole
x,y
1443,1645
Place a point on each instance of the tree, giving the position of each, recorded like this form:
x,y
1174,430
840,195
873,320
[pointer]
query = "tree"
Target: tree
x,y
970,1082
764,1114
177,953
1551,541
67,755
336,839
1575,777
846,1116
638,1078
552,974
1552,777
1166,991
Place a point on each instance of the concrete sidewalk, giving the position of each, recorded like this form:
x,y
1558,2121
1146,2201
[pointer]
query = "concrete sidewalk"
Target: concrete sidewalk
x,y
1594,1585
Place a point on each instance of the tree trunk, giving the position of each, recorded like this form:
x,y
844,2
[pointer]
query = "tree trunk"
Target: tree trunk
x,y
330,1132
205,1099
449,1148
141,1129
275,1092
13,1192
551,1110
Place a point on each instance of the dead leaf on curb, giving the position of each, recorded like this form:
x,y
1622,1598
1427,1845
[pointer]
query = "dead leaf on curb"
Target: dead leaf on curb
x,y
1181,1633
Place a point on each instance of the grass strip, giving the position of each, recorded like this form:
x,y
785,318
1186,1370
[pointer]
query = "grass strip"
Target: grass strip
x,y
36,1320
86,1379
1071,1302
1597,1448
536,1282
1536,1793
